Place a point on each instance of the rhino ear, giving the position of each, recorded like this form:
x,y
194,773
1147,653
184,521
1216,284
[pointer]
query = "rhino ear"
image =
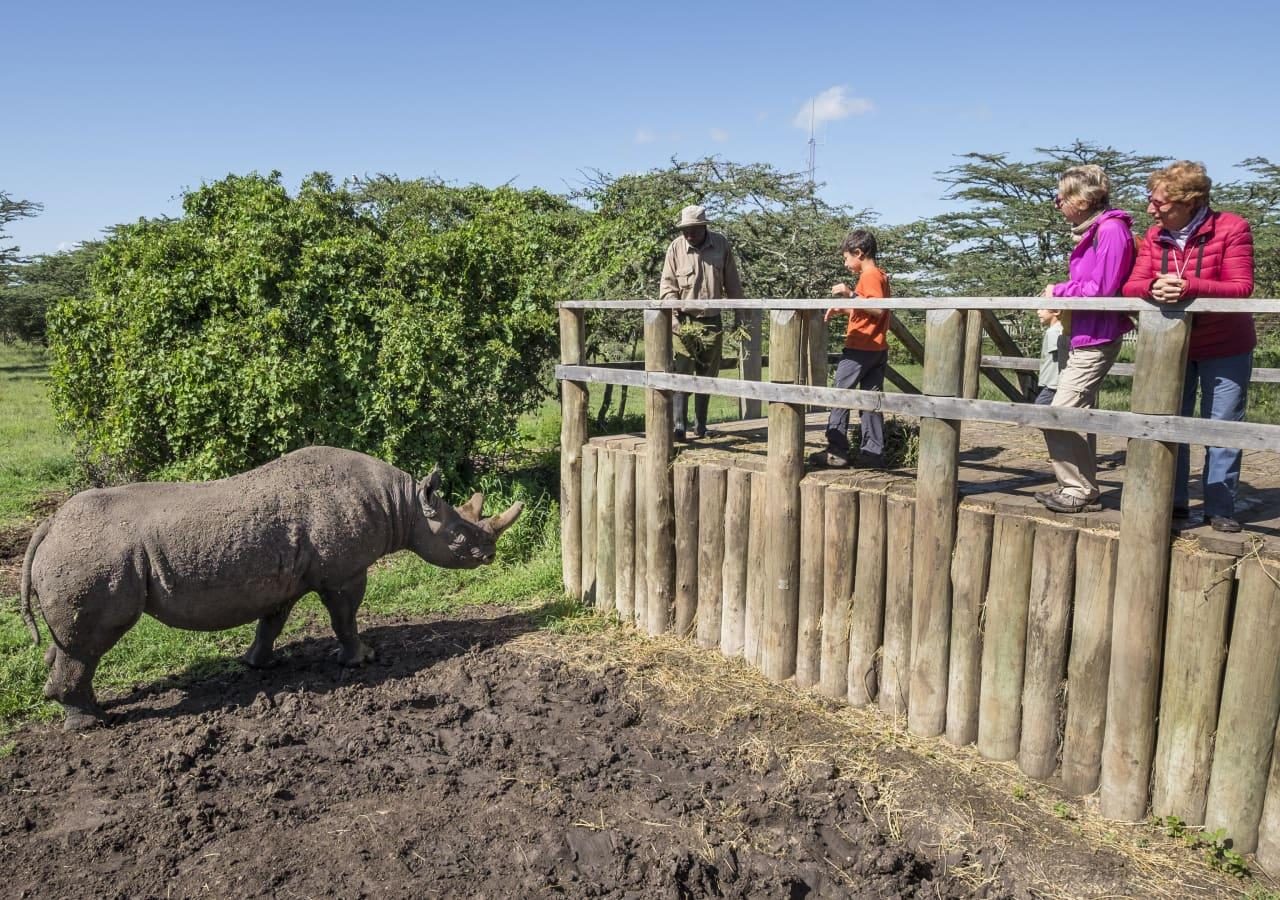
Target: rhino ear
x,y
429,494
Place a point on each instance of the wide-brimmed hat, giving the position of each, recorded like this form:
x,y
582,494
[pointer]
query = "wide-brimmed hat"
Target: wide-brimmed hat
x,y
692,217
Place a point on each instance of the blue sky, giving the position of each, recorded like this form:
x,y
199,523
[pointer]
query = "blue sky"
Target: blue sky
x,y
112,109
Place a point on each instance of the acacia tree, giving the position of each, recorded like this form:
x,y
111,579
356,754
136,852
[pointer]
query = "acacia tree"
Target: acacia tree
x,y
12,314
1008,239
784,236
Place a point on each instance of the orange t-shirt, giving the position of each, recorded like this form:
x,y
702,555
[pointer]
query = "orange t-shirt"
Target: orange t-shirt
x,y
866,331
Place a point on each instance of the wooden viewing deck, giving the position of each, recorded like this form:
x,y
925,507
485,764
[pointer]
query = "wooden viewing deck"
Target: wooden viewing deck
x,y
1103,652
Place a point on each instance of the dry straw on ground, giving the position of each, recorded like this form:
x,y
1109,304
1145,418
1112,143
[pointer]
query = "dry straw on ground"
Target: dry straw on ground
x,y
979,818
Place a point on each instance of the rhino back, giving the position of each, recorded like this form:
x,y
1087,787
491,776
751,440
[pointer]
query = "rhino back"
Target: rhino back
x,y
214,554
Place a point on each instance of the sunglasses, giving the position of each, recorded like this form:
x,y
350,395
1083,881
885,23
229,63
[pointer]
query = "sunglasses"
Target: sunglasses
x,y
1058,201
1159,205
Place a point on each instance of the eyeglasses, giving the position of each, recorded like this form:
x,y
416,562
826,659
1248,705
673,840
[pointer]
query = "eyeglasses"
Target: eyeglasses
x,y
1159,205
1058,201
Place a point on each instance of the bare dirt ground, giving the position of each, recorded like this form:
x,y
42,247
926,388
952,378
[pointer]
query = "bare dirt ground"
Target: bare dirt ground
x,y
482,757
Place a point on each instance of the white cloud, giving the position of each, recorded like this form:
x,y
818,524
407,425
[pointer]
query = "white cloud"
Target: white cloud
x,y
831,105
719,135
645,136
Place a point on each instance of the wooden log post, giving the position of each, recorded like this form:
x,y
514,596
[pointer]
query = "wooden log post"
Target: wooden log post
x,y
1053,570
1004,640
713,484
817,344
840,531
1146,513
641,619
660,502
737,539
1089,662
624,511
590,459
895,662
935,527
757,551
1195,648
1250,704
812,558
573,435
866,616
749,357
972,353
686,506
606,546
969,570
1263,579
785,468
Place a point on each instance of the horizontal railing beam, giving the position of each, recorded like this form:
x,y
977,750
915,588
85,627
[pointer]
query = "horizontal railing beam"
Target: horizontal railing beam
x,y
1124,370
1114,304
1176,429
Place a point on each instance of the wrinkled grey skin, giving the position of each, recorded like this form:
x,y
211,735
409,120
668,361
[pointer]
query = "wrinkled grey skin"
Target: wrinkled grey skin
x,y
213,555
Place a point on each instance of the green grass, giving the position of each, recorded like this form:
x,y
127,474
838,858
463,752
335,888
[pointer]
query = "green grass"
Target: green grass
x,y
35,456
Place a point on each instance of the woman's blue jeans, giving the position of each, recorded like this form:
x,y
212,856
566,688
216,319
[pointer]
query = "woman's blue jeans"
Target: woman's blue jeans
x,y
1223,385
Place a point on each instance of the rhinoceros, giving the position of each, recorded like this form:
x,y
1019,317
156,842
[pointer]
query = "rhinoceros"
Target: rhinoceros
x,y
213,555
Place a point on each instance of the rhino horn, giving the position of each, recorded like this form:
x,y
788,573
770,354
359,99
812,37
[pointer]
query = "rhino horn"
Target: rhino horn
x,y
473,508
504,520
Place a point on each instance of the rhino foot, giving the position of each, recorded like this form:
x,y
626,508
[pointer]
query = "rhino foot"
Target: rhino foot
x,y
259,659
82,720
362,654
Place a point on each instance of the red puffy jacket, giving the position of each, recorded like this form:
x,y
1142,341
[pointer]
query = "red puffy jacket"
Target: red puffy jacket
x,y
1218,262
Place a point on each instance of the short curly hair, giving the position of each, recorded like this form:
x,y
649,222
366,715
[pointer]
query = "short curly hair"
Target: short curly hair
x,y
1087,185
1183,182
860,239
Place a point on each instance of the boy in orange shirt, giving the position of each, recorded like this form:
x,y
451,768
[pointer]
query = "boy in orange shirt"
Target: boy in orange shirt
x,y
865,357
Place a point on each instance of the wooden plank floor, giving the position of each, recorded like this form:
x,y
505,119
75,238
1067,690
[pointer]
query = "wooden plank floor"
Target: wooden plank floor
x,y
1001,467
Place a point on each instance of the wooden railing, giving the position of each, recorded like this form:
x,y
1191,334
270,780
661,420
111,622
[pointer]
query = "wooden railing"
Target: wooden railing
x,y
952,360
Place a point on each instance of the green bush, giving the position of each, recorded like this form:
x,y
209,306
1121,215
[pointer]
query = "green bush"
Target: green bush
x,y
356,316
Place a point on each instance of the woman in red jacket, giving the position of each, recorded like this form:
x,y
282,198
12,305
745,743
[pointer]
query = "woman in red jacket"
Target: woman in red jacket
x,y
1193,251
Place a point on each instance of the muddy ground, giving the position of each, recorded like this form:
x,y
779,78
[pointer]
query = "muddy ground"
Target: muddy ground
x,y
483,757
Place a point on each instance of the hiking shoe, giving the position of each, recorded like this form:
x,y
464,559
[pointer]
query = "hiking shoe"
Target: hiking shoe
x,y
680,435
1060,501
1042,496
702,432
828,460
869,461
1224,523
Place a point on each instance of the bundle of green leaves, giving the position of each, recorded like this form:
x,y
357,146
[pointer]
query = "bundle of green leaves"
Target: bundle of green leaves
x,y
410,320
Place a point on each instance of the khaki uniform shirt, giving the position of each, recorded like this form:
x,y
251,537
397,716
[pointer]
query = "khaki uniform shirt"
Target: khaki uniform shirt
x,y
708,272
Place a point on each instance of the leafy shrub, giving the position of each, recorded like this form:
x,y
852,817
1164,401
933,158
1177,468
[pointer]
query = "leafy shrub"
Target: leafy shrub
x,y
259,322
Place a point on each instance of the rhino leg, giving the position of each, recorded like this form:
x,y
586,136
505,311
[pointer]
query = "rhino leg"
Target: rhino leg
x,y
262,653
342,603
71,684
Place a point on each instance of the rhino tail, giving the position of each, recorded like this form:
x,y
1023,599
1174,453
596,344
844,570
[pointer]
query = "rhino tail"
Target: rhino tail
x,y
25,600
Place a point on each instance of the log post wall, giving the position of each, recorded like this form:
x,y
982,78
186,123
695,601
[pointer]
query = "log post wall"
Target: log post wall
x,y
785,468
935,526
812,558
660,570
573,435
1146,513
713,483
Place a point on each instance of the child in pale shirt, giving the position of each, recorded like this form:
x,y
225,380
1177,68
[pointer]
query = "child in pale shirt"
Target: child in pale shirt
x,y
1053,354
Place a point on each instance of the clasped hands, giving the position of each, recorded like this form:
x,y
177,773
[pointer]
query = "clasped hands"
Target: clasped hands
x,y
838,290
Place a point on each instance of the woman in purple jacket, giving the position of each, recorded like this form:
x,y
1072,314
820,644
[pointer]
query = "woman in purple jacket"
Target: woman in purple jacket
x,y
1099,266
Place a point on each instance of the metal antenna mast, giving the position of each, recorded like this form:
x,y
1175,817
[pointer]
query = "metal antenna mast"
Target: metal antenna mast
x,y
813,145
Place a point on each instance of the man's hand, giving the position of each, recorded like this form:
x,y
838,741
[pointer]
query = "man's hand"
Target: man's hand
x,y
841,290
1168,288
1048,291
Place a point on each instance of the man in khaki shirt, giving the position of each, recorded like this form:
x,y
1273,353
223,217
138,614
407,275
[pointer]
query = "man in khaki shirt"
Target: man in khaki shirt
x,y
699,266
